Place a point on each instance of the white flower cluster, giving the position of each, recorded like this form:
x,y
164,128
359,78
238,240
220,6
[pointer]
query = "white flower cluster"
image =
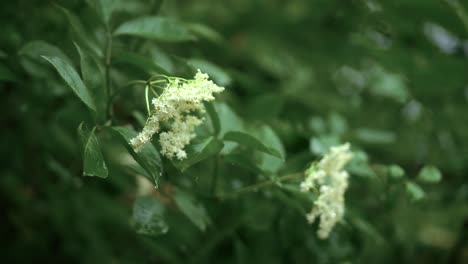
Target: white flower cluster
x,y
177,103
331,181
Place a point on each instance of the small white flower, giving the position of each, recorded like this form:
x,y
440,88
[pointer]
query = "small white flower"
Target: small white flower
x,y
332,181
179,100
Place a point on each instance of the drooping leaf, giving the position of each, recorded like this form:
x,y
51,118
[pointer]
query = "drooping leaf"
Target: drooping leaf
x,y
251,142
148,157
199,152
156,28
71,77
148,216
192,209
430,174
93,160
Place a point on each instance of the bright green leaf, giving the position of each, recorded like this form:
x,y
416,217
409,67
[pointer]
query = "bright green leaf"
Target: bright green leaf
x,y
219,76
413,189
93,160
71,77
395,171
156,28
430,174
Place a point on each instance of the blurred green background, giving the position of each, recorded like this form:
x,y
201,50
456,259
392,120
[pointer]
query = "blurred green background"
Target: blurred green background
x,y
391,77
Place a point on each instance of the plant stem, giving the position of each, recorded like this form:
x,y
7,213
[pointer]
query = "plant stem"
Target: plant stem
x,y
108,65
257,186
214,181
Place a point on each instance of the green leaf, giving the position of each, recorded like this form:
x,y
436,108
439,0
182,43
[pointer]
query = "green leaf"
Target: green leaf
x,y
141,62
251,142
205,32
148,216
194,211
148,157
80,32
156,28
37,48
93,77
414,190
219,76
71,77
242,160
199,152
267,162
104,8
213,117
93,160
430,174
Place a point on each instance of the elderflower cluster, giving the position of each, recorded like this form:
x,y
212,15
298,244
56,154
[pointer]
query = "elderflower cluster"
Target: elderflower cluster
x,y
331,181
176,105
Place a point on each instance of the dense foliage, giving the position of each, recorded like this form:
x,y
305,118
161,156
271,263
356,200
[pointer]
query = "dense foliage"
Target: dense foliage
x,y
300,77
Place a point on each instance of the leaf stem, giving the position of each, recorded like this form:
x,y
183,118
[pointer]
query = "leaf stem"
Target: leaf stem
x,y
258,186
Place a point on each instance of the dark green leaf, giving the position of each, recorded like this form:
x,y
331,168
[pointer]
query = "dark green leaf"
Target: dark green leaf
x,y
148,216
143,63
148,157
199,152
193,210
71,77
93,77
157,28
430,174
243,161
93,160
251,142
79,31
